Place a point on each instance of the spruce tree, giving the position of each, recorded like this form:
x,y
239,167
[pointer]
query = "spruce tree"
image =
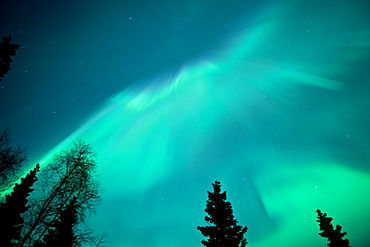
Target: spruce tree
x,y
334,236
61,231
7,50
224,230
15,205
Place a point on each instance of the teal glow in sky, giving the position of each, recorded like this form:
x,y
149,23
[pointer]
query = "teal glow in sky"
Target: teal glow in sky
x,y
269,97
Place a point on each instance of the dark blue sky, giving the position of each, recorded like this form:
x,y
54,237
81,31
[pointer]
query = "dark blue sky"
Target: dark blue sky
x,y
76,54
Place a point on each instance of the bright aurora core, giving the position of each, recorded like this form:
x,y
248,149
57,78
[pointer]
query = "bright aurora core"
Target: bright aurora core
x,y
269,97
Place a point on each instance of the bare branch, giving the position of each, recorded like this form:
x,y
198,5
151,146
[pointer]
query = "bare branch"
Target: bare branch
x,y
70,175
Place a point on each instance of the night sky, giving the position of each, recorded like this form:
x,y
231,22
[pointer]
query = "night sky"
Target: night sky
x,y
272,98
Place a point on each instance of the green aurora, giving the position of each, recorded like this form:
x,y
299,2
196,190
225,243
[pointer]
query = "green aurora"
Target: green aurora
x,y
279,113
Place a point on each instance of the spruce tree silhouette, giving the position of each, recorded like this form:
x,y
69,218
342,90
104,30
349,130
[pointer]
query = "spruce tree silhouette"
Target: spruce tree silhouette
x,y
7,50
15,205
224,230
61,231
334,236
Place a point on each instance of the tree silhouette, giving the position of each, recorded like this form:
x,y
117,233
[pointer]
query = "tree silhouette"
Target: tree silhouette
x,y
334,236
15,205
61,232
70,175
7,50
224,230
11,161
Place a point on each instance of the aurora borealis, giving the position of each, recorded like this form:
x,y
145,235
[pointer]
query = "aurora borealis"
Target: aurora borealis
x,y
269,97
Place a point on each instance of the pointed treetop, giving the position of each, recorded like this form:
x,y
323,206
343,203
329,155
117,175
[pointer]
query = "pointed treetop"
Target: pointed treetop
x,y
334,236
224,230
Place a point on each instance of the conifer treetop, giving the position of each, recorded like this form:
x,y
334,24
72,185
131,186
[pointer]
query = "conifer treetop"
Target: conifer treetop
x,y
224,230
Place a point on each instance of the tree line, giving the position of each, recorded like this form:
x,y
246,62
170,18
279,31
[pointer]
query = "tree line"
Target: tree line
x,y
49,206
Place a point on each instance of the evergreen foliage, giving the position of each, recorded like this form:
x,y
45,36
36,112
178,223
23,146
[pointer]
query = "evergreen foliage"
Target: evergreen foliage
x,y
15,205
7,50
334,236
224,230
61,231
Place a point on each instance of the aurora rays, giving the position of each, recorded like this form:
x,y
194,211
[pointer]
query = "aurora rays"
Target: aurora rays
x,y
271,98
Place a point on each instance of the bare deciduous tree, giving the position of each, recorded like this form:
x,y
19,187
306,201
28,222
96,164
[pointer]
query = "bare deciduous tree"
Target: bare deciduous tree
x,y
12,160
70,175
